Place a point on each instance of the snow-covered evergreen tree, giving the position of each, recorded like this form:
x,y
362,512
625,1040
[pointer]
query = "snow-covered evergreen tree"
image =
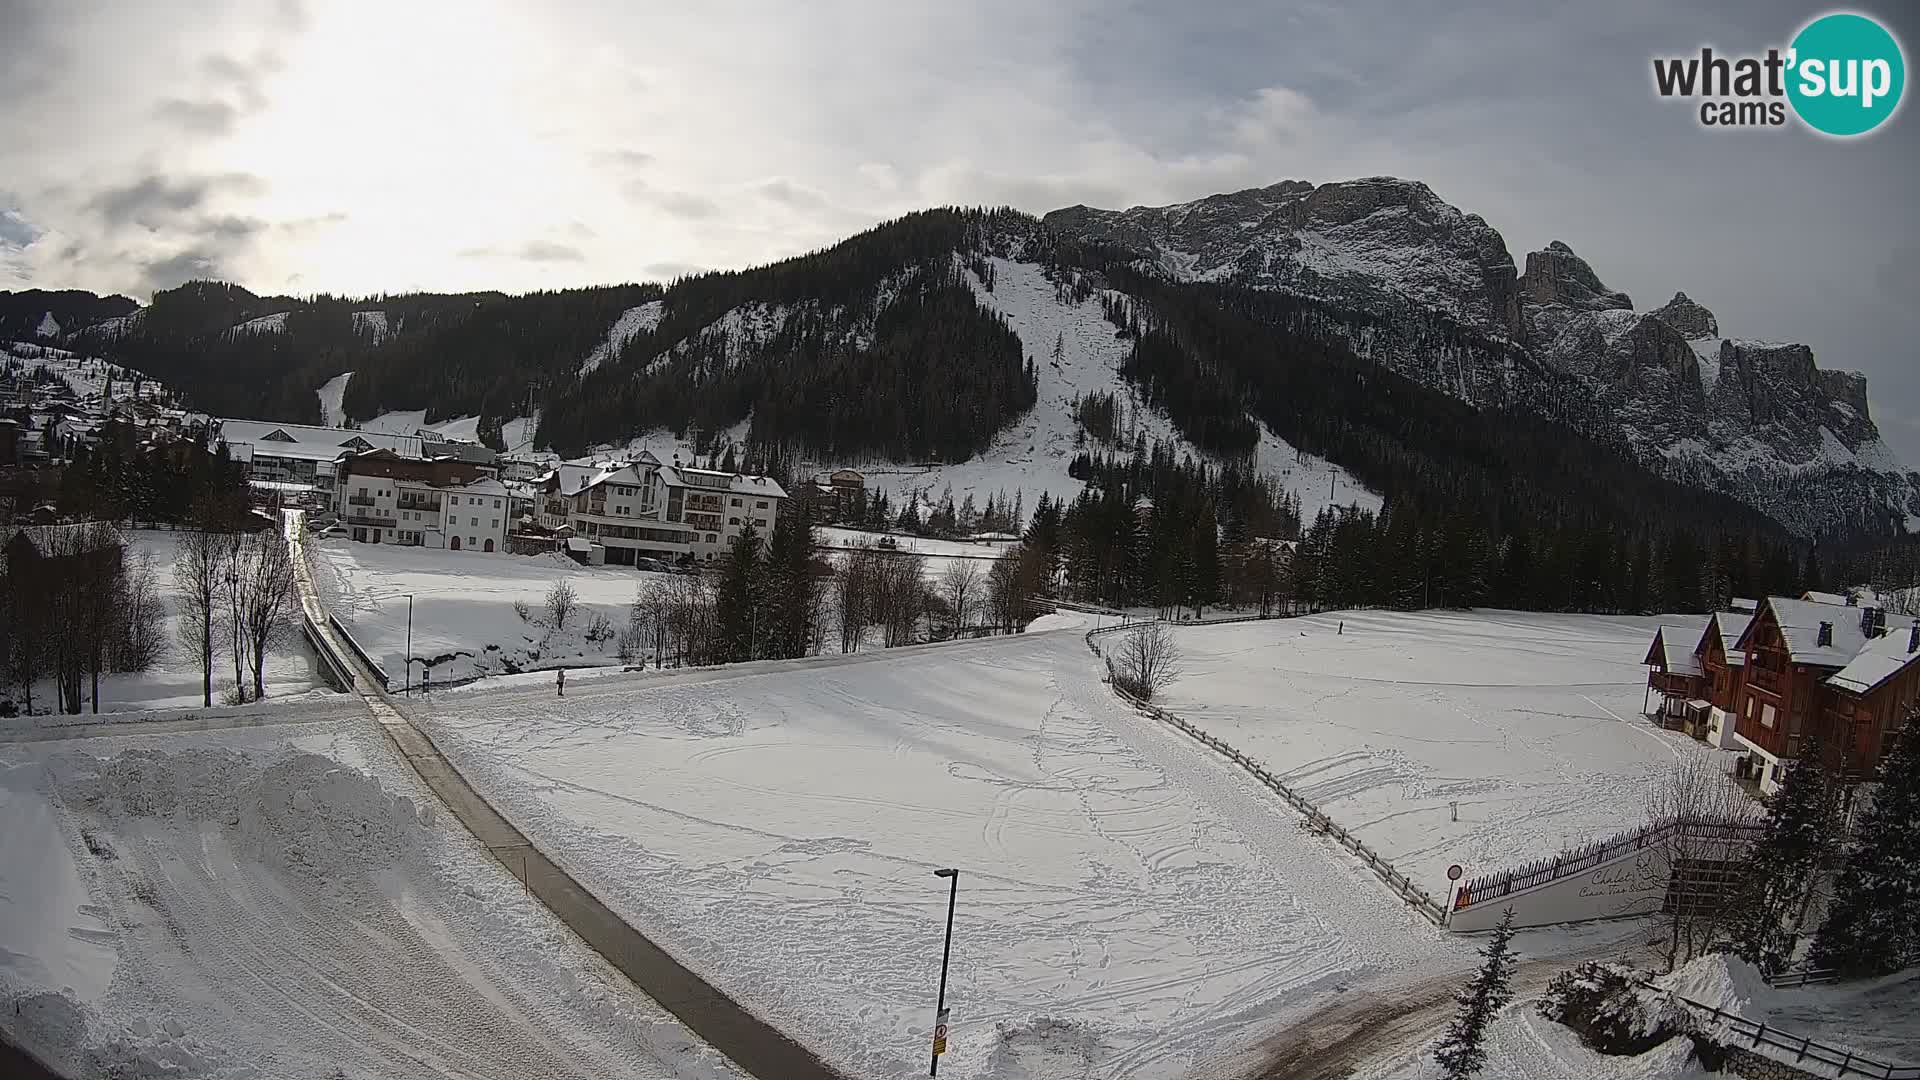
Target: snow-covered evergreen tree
x,y
1800,836
1873,925
1462,1051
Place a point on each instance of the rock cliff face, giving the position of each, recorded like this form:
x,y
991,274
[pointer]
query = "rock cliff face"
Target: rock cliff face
x,y
1758,420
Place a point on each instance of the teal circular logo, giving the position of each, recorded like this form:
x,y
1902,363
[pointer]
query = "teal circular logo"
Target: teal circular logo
x,y
1845,74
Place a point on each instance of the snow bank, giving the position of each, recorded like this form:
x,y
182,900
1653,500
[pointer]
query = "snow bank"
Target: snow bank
x,y
51,933
1722,981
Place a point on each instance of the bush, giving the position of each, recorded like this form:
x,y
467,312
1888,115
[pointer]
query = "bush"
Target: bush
x,y
599,628
521,609
1611,1012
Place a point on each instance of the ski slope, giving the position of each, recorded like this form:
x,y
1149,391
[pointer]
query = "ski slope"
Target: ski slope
x,y
1530,722
285,902
332,392
1127,904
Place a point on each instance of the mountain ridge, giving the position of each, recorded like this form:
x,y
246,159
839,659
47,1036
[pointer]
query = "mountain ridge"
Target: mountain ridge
x,y
1402,278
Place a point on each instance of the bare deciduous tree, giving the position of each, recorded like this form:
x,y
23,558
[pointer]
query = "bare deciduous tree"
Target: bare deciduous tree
x,y
959,587
142,618
854,596
1146,660
199,574
1697,862
562,602
267,598
899,599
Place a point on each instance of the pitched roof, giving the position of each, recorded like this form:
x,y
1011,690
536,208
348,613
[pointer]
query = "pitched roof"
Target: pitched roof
x,y
713,480
1730,625
1799,622
1822,597
1879,660
309,442
1676,650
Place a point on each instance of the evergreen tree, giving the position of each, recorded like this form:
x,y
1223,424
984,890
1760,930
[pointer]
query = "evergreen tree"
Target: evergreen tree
x,y
1783,866
1462,1051
1873,924
736,610
791,595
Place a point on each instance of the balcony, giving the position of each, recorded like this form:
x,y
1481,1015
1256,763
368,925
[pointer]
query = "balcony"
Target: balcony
x,y
419,504
360,500
381,521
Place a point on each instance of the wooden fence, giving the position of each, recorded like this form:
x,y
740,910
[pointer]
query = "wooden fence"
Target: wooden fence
x,y
1776,1044
1317,819
1581,859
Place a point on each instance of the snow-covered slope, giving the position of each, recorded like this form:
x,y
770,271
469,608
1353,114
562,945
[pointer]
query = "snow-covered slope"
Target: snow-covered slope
x,y
373,324
275,323
1756,420
89,377
631,323
331,392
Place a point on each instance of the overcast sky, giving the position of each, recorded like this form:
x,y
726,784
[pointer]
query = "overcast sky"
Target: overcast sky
x,y
362,146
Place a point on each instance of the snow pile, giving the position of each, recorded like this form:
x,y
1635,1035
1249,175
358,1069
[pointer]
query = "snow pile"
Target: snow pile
x,y
1724,982
51,932
305,814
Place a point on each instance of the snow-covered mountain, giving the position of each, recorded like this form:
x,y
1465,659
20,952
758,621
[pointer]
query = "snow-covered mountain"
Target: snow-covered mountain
x,y
1757,420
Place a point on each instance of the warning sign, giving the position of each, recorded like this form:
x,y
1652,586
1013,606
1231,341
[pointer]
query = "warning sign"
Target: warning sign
x,y
940,1034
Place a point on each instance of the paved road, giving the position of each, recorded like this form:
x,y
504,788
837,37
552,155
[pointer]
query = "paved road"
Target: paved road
x,y
752,1044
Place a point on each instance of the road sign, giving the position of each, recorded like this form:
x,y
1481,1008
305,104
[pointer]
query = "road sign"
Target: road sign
x,y
940,1034
1454,872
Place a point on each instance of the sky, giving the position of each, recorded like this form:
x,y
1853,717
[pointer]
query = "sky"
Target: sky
x,y
359,147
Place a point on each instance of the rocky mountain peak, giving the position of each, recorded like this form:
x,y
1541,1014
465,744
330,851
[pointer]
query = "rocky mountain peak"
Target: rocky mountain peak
x,y
1555,275
1692,320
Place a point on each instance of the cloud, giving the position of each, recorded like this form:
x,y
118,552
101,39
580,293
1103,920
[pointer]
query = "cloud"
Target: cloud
x,y
534,251
631,160
198,117
171,271
667,271
16,231
678,204
155,200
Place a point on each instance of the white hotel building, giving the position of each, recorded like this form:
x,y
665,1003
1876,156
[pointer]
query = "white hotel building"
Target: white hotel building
x,y
645,510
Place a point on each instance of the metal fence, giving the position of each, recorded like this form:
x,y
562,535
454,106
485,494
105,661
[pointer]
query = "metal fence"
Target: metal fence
x,y
331,667
346,635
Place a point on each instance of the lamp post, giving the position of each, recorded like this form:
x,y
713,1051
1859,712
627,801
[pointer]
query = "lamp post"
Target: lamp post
x,y
408,687
940,1009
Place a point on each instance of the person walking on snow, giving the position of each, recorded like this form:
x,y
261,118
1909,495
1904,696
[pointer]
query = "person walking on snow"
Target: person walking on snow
x,y
560,682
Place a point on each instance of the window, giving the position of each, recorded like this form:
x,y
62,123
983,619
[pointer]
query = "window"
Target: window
x,y
475,522
761,505
735,502
496,504
733,521
712,539
760,522
496,524
1766,716
361,492
470,541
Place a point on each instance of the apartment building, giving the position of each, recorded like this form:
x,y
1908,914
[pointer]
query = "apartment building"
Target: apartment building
x,y
385,498
642,509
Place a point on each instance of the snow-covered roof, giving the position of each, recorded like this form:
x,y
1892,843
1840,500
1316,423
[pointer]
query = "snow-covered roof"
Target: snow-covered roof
x,y
486,485
713,480
1881,659
1731,625
1800,625
1822,597
309,442
1677,650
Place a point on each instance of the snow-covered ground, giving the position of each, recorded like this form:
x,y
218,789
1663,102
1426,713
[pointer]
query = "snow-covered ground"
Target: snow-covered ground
x,y
1876,1018
1523,1045
1530,722
1127,903
631,323
464,623
175,681
285,902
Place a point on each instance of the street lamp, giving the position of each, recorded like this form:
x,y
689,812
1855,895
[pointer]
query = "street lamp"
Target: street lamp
x,y
408,683
940,1010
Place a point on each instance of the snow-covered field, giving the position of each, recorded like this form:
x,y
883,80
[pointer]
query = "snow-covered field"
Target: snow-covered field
x,y
1128,905
284,902
1530,722
464,623
89,377
175,681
